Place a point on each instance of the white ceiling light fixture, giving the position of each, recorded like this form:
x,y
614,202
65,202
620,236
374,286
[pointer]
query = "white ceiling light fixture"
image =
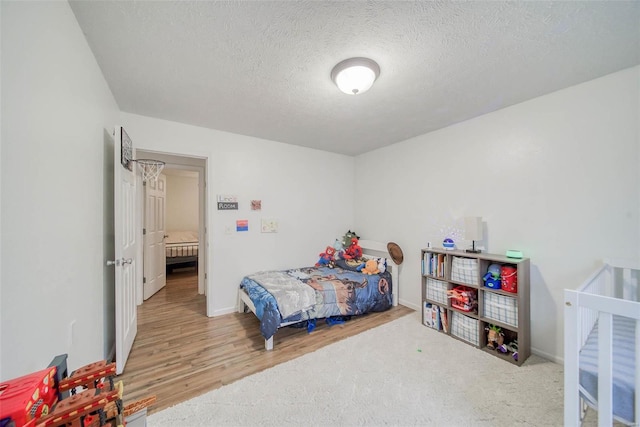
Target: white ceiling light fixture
x,y
355,75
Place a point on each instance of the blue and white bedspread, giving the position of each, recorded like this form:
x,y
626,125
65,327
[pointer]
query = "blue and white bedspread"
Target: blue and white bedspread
x,y
623,368
336,292
292,295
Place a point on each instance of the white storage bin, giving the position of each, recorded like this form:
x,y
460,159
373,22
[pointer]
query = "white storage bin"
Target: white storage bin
x,y
465,328
436,291
501,308
464,270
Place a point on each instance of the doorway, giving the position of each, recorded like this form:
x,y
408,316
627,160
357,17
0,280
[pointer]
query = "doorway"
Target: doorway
x,y
186,175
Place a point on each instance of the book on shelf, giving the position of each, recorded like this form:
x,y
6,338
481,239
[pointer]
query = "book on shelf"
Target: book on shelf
x,y
440,266
428,316
427,263
444,320
436,317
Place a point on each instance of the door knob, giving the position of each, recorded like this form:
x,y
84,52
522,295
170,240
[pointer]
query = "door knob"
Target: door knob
x,y
120,262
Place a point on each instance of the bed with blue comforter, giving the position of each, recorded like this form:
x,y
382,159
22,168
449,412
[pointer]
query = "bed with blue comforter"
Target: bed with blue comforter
x,y
295,295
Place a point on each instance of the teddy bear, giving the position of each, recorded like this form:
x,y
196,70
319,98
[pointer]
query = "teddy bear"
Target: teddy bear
x,y
370,267
326,257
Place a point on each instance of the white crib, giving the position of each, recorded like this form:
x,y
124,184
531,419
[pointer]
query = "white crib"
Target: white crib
x,y
601,340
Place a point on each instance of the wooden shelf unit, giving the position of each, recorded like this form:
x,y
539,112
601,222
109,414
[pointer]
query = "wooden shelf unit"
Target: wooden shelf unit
x,y
474,323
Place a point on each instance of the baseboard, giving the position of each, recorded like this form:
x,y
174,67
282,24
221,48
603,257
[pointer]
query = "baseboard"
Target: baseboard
x,y
408,304
548,356
225,311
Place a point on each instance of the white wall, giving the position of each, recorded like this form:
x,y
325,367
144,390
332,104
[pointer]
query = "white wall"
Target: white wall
x,y
556,177
309,192
57,115
182,203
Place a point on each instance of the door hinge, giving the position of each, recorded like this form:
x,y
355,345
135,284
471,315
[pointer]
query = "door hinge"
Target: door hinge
x,y
144,280
144,231
205,276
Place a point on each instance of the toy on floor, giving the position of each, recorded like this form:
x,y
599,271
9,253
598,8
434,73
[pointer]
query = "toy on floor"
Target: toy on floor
x,y
26,399
50,398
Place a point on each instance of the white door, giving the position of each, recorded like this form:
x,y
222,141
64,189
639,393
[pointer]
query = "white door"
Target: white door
x,y
155,262
126,243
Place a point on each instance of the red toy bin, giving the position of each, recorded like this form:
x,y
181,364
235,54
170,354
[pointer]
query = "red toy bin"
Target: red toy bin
x,y
509,277
463,298
28,398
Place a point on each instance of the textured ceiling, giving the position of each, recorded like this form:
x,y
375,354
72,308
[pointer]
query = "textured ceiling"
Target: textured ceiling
x,y
261,68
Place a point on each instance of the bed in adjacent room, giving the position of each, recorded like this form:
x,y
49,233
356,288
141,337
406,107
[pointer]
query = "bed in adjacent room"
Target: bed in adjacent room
x,y
181,248
286,297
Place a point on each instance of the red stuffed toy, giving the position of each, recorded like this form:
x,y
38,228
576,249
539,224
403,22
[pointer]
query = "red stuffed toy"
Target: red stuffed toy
x,y
326,257
354,251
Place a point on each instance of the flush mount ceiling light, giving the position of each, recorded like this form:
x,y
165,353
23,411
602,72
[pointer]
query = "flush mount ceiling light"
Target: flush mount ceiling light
x,y
355,75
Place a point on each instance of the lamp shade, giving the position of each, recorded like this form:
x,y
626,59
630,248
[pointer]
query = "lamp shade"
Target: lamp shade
x,y
473,228
355,75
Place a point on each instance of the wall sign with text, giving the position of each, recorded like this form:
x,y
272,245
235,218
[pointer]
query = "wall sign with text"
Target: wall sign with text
x,y
227,202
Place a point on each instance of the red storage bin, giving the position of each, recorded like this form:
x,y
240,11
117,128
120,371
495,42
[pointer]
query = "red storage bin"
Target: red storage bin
x,y
463,298
509,277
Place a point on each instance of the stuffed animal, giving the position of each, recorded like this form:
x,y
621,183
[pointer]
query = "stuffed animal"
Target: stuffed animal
x,y
382,265
337,245
371,267
354,251
492,277
346,239
326,257
495,337
492,271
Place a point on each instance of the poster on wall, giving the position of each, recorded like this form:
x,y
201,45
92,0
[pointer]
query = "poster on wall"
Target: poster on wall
x,y
269,225
256,205
227,202
242,225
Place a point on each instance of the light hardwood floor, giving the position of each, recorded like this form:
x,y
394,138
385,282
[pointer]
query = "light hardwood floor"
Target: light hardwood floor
x,y
180,353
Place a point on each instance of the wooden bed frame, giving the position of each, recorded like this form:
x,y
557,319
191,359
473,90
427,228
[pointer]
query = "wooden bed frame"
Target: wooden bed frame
x,y
369,249
613,289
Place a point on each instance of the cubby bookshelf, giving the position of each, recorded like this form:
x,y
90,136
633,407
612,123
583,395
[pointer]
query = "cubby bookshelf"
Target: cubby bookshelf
x,y
468,320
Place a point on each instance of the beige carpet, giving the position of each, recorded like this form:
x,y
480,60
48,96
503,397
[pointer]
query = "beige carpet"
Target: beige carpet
x,y
399,374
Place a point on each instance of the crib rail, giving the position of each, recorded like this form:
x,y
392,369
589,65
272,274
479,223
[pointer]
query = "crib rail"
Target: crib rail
x,y
612,290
